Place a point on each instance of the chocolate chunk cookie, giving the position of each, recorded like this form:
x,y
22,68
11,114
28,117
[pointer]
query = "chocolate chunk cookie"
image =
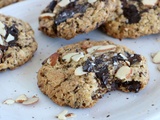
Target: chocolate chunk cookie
x,y
4,3
78,75
17,43
67,18
134,18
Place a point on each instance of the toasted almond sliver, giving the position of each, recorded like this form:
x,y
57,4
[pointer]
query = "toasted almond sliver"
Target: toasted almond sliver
x,y
9,101
68,56
31,101
62,116
123,72
156,58
79,71
149,2
21,98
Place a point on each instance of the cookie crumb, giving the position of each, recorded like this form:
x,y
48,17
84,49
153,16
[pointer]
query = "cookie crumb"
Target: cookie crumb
x,y
108,116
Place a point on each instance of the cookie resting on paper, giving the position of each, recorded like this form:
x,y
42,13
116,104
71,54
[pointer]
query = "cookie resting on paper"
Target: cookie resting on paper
x,y
17,43
78,75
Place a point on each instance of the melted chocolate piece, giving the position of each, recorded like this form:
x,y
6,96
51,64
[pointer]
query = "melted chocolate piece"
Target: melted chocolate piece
x,y
71,9
103,75
132,86
101,70
14,32
52,5
134,59
88,67
132,14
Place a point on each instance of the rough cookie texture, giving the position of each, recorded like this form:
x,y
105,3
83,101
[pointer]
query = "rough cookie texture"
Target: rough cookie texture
x,y
133,19
66,19
4,3
17,43
79,74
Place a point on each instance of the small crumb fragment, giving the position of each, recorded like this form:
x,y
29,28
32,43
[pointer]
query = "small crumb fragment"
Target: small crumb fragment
x,y
9,101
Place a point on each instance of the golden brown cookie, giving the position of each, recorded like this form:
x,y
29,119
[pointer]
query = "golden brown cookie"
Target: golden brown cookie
x,y
78,75
134,18
17,43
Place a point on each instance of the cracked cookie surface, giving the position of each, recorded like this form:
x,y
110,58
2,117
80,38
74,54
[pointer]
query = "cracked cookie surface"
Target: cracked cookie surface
x,y
66,18
17,43
133,18
78,75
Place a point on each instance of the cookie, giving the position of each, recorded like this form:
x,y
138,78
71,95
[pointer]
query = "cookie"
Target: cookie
x,y
134,18
68,18
17,43
78,75
4,3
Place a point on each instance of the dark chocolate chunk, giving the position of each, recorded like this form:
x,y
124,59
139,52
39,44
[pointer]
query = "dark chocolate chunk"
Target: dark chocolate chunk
x,y
88,67
71,9
103,75
52,5
131,13
132,86
134,59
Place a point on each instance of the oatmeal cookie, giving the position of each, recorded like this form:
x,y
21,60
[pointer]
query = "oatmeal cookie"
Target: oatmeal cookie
x,y
134,18
78,75
67,18
4,3
17,43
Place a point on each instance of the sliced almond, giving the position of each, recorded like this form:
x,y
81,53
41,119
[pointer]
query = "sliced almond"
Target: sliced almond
x,y
124,72
101,48
10,38
106,48
1,41
53,59
64,3
47,15
9,101
21,98
31,101
156,58
92,1
76,58
79,71
62,115
68,56
92,49
150,2
2,29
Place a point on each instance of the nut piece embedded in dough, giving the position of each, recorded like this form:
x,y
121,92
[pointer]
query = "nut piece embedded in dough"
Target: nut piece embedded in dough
x,y
100,48
9,101
68,56
123,72
53,59
92,1
149,2
79,71
156,58
47,15
21,98
2,29
31,101
64,3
